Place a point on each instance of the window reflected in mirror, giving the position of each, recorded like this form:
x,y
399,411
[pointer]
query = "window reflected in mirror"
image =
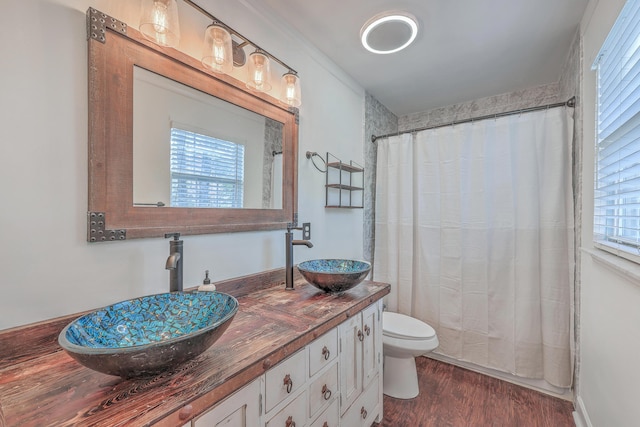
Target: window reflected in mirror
x,y
206,172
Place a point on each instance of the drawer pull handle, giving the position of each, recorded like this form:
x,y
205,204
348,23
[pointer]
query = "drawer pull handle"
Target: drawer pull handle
x,y
289,383
367,330
290,422
326,424
360,335
185,412
363,412
326,353
326,393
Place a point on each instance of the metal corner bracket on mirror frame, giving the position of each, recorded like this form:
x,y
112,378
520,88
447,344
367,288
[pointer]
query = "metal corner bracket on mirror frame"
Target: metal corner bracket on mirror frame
x,y
114,50
97,231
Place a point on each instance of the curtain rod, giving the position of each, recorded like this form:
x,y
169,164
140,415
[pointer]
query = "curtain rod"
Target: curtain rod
x,y
569,103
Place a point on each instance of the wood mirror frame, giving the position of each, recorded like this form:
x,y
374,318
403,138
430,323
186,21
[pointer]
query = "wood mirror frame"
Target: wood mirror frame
x,y
114,50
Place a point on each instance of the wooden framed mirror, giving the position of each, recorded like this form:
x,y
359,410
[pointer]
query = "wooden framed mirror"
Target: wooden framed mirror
x,y
133,189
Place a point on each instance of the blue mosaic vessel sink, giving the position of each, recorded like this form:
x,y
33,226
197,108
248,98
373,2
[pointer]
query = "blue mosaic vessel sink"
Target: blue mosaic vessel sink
x,y
334,275
148,335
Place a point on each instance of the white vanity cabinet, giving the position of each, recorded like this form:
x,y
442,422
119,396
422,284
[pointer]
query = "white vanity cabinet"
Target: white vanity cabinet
x,y
361,366
333,381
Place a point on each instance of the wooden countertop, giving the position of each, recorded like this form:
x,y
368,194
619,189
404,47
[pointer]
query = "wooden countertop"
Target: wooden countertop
x,y
40,385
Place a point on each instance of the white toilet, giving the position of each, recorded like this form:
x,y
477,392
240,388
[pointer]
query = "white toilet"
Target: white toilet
x,y
403,339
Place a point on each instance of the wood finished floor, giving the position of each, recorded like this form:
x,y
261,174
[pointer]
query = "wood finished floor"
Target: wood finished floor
x,y
455,397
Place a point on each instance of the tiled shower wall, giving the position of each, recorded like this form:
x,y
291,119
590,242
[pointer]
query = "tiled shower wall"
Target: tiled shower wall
x,y
273,131
378,120
512,101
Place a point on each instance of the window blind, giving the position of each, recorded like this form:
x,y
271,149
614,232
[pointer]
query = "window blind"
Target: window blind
x,y
206,172
617,184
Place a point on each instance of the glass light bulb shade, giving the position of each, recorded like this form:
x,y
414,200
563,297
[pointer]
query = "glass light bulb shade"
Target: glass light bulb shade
x,y
290,90
217,53
159,22
259,72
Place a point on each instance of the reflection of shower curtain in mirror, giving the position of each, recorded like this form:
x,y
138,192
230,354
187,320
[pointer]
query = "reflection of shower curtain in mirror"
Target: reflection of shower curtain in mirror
x,y
276,182
474,231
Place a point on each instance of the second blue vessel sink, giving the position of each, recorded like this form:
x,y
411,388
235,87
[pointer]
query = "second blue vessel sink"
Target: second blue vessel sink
x,y
334,275
147,335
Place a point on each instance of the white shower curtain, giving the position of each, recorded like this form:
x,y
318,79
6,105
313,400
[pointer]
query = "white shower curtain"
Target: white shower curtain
x,y
474,231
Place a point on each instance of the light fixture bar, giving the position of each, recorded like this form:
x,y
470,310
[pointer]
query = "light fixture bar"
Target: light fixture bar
x,y
234,32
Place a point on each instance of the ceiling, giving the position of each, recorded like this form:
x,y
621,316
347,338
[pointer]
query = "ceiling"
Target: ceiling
x,y
465,49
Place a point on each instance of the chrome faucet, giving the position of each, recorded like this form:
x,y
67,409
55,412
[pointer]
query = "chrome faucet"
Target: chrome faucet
x,y
174,262
290,243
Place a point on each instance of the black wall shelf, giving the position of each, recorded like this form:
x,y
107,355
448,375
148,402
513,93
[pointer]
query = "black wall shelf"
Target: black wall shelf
x,y
341,181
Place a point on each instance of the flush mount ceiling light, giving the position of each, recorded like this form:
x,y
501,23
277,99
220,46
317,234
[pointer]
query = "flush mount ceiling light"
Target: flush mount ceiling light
x,y
389,32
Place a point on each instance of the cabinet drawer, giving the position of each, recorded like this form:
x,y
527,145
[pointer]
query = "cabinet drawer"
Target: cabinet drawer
x,y
323,390
241,409
323,351
365,409
295,410
284,379
329,418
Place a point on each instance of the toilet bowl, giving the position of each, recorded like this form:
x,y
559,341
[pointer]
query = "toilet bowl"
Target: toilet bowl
x,y
403,339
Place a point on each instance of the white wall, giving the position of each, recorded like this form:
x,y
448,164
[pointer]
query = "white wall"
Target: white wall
x,y
609,376
48,268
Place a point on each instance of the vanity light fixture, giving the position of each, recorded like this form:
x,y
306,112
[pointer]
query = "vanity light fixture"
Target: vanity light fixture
x,y
159,22
221,52
290,94
259,72
389,32
217,52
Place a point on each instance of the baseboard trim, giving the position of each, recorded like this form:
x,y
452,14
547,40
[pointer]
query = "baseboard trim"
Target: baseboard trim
x,y
580,416
565,394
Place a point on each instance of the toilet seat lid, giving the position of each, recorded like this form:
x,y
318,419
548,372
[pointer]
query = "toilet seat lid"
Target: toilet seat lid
x,y
400,326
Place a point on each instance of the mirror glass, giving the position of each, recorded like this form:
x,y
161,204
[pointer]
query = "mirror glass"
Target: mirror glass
x,y
193,150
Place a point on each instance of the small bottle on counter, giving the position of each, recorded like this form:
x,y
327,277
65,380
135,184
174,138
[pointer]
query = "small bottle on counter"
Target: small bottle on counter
x,y
206,283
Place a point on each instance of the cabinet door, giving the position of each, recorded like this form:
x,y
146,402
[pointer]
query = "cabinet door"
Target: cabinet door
x,y
370,344
241,409
350,365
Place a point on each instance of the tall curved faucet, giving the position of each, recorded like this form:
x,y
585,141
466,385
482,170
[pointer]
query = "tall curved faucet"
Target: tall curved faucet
x,y
290,243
